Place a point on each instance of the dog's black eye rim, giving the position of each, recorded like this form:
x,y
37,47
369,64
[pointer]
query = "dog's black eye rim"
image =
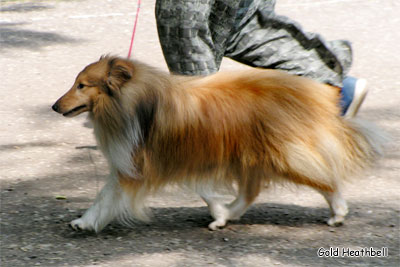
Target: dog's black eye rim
x,y
80,86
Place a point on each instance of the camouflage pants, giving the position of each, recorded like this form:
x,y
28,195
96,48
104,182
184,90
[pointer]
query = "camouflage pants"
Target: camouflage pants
x,y
196,34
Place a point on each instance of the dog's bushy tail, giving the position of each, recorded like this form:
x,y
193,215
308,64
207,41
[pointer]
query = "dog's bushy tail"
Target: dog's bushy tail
x,y
364,143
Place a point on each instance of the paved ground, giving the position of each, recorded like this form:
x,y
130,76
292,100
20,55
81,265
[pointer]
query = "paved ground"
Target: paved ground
x,y
51,170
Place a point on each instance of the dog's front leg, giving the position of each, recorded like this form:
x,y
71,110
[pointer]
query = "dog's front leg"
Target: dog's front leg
x,y
103,210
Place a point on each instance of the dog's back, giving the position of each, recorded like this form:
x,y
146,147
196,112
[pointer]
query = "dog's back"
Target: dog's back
x,y
261,119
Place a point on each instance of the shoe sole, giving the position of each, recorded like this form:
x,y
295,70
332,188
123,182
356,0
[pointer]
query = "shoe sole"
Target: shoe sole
x,y
360,93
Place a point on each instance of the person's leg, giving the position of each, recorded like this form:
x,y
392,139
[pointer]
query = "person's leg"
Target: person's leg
x,y
193,33
268,40
184,36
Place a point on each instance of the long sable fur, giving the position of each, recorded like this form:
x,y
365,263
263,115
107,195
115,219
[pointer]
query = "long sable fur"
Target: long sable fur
x,y
248,128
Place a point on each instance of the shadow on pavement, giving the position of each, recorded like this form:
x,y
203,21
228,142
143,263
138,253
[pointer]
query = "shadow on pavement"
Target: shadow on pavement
x,y
34,223
12,37
25,7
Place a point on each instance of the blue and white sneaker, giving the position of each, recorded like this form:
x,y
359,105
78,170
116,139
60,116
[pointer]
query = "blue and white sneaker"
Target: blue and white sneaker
x,y
352,95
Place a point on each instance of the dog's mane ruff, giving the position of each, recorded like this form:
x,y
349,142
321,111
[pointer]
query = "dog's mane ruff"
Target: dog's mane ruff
x,y
115,135
122,121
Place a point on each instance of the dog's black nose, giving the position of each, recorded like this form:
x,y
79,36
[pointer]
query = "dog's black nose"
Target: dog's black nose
x,y
55,107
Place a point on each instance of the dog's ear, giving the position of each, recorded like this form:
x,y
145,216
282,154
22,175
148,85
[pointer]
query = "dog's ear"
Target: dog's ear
x,y
119,72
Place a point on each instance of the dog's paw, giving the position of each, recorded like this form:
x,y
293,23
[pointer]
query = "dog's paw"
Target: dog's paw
x,y
80,225
215,225
336,221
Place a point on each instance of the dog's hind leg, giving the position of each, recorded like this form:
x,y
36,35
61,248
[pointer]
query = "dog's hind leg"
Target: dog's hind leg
x,y
248,191
337,205
219,211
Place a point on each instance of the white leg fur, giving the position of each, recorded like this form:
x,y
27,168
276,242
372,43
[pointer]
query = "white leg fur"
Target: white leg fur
x,y
218,211
222,213
105,208
238,207
338,207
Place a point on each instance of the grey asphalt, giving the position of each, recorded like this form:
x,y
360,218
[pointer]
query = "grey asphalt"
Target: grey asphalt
x,y
51,170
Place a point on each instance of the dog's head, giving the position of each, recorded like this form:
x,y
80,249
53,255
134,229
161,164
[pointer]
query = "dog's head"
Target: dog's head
x,y
102,78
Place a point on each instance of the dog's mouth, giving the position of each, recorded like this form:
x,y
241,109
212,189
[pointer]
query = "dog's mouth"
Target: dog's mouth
x,y
74,111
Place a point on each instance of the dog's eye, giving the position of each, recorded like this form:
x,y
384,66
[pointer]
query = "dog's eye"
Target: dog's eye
x,y
80,86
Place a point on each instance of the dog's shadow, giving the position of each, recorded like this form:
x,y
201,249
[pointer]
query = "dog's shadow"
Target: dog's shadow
x,y
190,218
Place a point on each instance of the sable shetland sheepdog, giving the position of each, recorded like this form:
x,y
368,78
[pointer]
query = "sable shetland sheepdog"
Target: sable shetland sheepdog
x,y
244,128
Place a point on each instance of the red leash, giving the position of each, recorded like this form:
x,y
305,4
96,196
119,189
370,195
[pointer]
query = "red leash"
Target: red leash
x,y
134,28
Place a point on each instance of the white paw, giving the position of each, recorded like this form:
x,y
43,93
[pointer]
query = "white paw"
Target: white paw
x,y
215,225
336,221
81,225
